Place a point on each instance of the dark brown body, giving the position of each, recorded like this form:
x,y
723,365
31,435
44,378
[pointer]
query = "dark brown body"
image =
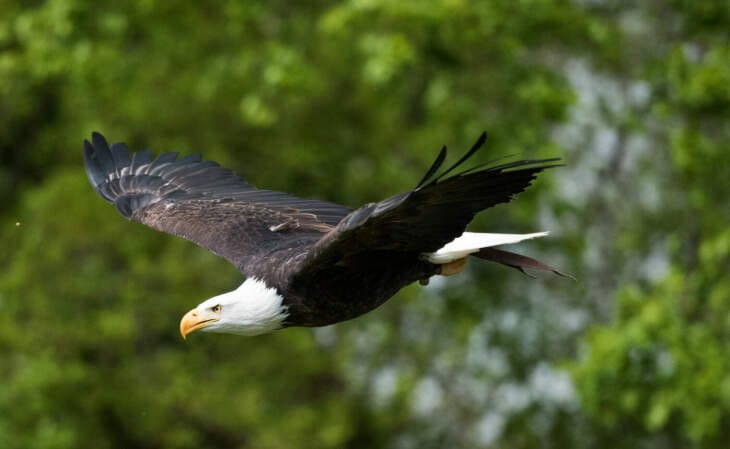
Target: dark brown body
x,y
348,291
344,290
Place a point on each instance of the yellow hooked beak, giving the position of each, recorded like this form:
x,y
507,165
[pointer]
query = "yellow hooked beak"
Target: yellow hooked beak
x,y
194,320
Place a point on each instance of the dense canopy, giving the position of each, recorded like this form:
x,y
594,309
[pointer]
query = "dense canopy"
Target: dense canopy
x,y
345,101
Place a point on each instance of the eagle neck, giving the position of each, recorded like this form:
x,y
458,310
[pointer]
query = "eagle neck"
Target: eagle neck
x,y
254,307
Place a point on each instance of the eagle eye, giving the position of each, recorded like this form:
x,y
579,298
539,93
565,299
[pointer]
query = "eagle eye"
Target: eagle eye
x,y
216,308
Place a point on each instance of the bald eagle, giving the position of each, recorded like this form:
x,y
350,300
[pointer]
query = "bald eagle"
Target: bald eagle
x,y
309,262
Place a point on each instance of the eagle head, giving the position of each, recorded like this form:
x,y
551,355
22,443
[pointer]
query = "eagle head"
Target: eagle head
x,y
253,308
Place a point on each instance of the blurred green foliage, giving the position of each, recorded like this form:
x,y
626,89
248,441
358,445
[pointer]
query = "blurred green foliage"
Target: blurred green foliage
x,y
349,101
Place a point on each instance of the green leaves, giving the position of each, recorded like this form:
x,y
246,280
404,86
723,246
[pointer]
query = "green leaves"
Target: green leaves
x,y
660,369
350,101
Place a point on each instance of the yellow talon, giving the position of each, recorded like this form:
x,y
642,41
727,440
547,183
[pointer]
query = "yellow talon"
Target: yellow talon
x,y
452,268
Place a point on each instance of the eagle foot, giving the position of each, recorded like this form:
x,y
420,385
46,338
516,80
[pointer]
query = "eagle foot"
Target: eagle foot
x,y
452,268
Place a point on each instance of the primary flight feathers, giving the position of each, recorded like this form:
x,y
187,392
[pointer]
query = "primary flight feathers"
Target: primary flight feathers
x,y
319,262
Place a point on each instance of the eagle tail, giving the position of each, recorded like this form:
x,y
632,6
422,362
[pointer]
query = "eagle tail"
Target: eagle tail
x,y
471,242
480,245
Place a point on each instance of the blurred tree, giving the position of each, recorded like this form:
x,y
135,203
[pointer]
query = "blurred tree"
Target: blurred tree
x,y
659,375
349,101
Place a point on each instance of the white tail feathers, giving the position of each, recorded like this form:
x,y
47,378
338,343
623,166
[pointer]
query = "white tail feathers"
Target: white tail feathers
x,y
471,242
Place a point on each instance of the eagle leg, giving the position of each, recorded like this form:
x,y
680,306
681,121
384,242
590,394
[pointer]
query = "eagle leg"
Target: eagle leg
x,y
452,268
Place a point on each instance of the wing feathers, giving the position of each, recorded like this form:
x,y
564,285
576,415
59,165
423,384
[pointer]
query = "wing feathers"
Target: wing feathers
x,y
210,205
94,172
430,216
202,201
478,144
434,167
103,157
162,161
139,162
191,158
120,154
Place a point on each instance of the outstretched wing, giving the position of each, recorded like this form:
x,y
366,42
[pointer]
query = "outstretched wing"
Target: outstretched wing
x,y
427,217
203,202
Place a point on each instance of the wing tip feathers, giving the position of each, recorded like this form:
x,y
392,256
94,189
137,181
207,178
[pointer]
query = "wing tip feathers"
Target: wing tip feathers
x,y
535,165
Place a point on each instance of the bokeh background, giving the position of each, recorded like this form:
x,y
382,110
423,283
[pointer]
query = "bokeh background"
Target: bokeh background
x,y
350,101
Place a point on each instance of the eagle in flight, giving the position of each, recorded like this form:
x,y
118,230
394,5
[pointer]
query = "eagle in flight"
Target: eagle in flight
x,y
309,262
